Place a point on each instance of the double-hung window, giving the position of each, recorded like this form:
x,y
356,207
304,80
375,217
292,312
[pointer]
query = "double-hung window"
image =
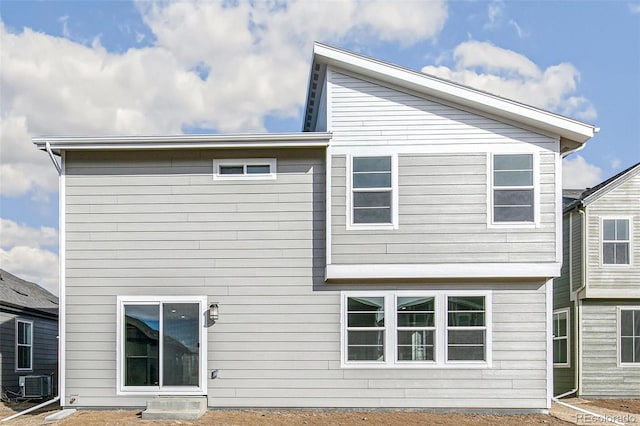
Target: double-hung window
x,y
629,327
24,345
513,192
407,329
466,328
372,194
615,242
561,338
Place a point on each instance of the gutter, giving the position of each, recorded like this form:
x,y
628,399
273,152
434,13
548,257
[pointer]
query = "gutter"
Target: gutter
x,y
28,410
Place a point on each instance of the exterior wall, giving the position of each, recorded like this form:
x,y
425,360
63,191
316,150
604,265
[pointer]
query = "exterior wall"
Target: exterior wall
x,y
443,194
45,348
158,224
619,202
577,242
601,376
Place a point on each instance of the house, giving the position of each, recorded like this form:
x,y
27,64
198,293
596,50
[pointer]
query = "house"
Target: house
x,y
398,252
597,297
28,333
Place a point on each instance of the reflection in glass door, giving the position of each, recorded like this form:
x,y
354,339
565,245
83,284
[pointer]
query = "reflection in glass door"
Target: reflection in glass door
x,y
162,334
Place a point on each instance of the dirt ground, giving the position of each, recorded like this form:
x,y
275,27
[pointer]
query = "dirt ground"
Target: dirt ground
x,y
626,405
282,418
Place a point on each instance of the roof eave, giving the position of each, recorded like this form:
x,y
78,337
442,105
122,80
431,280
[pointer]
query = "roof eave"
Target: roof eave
x,y
246,140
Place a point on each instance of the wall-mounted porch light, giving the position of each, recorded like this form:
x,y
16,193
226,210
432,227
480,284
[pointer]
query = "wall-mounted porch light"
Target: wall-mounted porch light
x,y
213,312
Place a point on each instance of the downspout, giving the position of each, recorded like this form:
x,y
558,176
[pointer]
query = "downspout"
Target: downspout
x,y
28,410
53,159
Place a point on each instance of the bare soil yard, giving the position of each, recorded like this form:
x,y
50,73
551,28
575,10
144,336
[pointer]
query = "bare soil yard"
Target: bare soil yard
x,y
283,418
626,405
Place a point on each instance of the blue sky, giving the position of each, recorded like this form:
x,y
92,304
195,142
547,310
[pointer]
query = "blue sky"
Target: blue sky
x,y
121,67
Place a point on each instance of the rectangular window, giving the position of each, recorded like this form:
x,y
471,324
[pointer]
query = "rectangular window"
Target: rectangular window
x,y
615,242
365,329
561,338
372,193
416,328
513,188
24,345
161,344
409,329
466,328
629,336
248,168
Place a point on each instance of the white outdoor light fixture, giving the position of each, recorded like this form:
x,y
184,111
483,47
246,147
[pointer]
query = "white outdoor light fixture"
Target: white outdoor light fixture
x,y
213,312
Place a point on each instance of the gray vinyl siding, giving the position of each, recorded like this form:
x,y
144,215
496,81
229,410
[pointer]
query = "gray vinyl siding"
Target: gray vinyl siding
x,y
442,205
443,196
45,348
619,202
158,224
576,259
601,376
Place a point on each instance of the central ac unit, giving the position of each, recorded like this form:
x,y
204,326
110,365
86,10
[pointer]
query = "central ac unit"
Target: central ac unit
x,y
35,386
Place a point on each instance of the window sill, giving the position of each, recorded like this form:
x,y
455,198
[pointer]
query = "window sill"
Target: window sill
x,y
371,226
561,366
419,365
521,225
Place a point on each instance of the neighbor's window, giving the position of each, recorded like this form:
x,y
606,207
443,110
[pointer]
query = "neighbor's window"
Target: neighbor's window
x,y
615,241
466,328
513,188
630,336
416,328
252,168
372,190
24,345
365,329
561,337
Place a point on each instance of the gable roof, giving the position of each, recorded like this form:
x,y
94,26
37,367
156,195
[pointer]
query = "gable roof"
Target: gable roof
x,y
572,133
21,294
590,195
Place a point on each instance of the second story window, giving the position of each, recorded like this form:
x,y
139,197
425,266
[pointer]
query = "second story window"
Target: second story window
x,y
615,242
513,188
372,193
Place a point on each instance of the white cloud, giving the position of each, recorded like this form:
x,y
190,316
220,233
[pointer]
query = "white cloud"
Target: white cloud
x,y
512,75
578,174
634,8
257,54
15,234
495,11
32,264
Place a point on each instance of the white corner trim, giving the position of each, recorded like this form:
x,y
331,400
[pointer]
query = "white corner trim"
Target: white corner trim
x,y
62,299
443,270
328,204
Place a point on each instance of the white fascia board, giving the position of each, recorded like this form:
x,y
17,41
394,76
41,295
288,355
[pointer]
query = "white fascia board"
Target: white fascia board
x,y
563,126
247,140
442,270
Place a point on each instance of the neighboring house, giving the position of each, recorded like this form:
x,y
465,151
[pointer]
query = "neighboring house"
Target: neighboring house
x,y
597,298
28,331
399,252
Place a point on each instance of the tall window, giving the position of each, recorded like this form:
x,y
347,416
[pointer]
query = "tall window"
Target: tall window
x,y
372,190
466,337
630,336
416,328
161,343
365,329
24,345
615,241
513,188
561,337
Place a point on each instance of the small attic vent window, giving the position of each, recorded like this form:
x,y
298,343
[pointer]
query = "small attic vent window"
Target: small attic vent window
x,y
19,292
248,168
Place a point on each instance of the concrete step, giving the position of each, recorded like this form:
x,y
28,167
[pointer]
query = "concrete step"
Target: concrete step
x,y
175,408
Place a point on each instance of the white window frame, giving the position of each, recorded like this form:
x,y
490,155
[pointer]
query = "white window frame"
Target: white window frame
x,y
629,242
350,190
619,337
471,328
491,223
121,389
391,330
29,345
244,162
565,311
